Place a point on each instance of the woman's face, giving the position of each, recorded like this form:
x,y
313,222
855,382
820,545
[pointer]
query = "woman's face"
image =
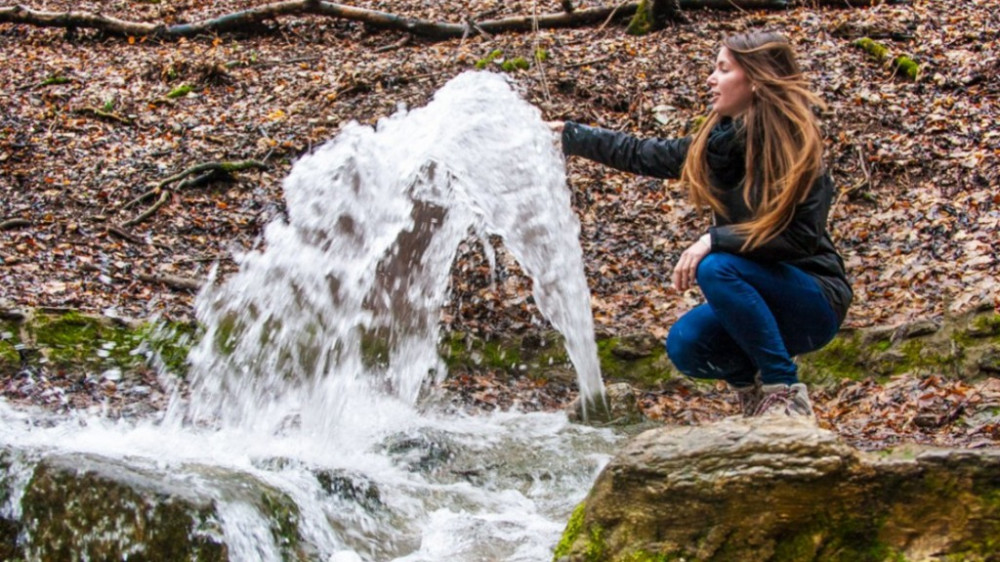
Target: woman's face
x,y
731,89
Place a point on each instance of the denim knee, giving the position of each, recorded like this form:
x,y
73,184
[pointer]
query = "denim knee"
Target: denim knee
x,y
679,349
715,265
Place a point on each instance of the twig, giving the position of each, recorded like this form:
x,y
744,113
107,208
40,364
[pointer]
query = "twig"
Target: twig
x,y
539,63
397,45
122,233
150,211
11,224
611,16
173,281
209,167
295,60
105,115
865,182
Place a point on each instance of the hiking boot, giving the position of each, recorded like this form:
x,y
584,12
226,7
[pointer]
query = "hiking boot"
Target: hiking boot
x,y
749,397
783,399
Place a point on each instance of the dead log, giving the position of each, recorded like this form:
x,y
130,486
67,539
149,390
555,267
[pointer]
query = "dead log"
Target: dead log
x,y
173,281
247,19
10,224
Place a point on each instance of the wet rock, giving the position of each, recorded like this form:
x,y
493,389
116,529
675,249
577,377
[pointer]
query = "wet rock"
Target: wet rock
x,y
621,407
422,450
87,507
755,490
636,346
351,487
83,507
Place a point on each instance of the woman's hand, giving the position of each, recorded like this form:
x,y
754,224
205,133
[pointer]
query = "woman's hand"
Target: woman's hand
x,y
556,126
687,265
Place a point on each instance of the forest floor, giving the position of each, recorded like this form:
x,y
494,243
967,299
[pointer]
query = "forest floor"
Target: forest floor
x,y
88,127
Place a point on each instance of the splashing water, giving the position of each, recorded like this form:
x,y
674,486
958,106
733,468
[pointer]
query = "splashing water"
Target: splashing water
x,y
307,381
343,304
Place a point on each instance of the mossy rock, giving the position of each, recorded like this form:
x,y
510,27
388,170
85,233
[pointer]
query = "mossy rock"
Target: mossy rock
x,y
9,528
10,339
95,343
82,507
785,491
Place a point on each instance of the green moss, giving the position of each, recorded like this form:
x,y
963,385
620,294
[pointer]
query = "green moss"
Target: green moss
x,y
877,50
54,80
842,358
84,515
907,67
68,339
918,355
171,343
645,556
573,528
516,63
180,91
642,371
642,22
594,550
9,340
541,55
465,352
75,340
485,61
284,517
986,325
226,335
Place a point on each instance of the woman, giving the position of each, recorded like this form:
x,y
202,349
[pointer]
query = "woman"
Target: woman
x,y
774,284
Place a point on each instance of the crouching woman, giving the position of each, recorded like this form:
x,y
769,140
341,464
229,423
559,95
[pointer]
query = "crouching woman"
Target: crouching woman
x,y
774,285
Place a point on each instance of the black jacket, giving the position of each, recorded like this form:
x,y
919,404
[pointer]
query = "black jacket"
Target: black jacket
x,y
805,243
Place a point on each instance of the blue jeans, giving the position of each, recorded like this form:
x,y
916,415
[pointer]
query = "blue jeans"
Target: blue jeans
x,y
757,317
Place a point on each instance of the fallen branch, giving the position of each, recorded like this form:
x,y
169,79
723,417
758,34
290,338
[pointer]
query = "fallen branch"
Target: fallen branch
x,y
126,235
11,224
397,45
246,19
173,281
207,170
164,196
105,115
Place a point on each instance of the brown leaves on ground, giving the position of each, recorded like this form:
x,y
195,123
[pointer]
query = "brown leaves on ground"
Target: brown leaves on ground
x,y
929,410
917,163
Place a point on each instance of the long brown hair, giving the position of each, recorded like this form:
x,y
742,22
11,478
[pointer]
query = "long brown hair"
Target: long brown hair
x,y
784,147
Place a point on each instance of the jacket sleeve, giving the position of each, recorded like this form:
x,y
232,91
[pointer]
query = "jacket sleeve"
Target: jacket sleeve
x,y
800,239
661,158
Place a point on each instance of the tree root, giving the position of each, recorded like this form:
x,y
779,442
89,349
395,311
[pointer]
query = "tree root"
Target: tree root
x,y
202,173
248,19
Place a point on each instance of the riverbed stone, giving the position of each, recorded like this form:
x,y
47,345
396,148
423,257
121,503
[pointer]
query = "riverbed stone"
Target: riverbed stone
x,y
782,489
85,507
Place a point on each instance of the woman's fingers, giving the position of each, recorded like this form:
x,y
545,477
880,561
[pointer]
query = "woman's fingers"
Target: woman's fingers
x,y
687,266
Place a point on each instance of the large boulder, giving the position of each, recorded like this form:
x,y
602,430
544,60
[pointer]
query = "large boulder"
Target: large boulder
x,y
75,506
783,489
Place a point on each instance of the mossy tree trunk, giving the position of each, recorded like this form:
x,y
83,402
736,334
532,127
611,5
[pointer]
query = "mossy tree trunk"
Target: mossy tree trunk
x,y
653,15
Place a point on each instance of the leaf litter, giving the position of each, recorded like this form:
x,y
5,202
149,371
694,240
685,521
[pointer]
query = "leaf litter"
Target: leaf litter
x,y
917,164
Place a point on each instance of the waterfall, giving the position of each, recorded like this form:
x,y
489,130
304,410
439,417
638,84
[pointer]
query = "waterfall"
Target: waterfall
x,y
339,310
302,436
